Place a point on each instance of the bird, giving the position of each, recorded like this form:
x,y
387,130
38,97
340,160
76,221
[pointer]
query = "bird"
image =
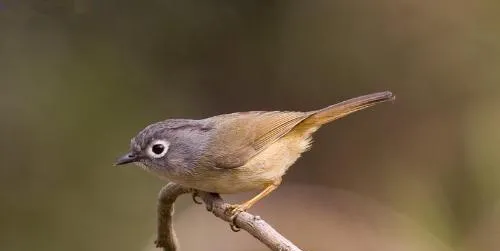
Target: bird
x,y
235,152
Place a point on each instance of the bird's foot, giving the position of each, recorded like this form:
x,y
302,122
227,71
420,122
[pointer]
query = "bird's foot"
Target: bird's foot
x,y
196,196
234,211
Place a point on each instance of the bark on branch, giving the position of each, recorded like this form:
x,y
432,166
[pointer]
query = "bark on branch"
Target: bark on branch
x,y
254,225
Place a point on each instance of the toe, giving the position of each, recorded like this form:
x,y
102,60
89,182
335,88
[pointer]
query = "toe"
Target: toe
x,y
230,209
238,210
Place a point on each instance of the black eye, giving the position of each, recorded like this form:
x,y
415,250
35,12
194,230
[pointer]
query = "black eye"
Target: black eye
x,y
158,148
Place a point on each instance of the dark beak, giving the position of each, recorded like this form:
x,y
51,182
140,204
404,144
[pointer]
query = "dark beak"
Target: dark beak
x,y
127,158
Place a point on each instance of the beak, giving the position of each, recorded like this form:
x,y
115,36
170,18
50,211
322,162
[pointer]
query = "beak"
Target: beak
x,y
127,158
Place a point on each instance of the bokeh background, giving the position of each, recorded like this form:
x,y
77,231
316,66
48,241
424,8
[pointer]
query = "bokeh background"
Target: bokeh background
x,y
79,78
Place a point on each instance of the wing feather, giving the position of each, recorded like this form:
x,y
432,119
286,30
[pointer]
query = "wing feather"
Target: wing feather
x,y
240,136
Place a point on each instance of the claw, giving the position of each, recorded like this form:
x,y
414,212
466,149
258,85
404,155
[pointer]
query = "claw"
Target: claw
x,y
234,211
234,228
195,198
209,207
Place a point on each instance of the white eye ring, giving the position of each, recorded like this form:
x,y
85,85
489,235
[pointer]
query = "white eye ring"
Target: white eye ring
x,y
158,149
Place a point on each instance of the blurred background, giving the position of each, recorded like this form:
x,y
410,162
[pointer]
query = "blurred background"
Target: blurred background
x,y
79,78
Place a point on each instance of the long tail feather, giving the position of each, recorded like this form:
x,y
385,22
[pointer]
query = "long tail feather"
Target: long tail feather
x,y
342,109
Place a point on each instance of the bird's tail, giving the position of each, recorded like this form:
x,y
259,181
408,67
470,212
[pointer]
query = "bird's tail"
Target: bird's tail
x,y
342,109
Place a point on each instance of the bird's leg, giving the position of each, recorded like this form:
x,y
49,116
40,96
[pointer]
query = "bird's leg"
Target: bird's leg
x,y
235,209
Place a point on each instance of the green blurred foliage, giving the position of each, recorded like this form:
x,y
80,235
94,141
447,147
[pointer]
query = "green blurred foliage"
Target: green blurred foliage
x,y
79,78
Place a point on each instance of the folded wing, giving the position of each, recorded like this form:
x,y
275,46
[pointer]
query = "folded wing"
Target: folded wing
x,y
241,136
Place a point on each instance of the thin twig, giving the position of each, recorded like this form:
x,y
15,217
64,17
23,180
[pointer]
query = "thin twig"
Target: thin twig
x,y
166,238
252,224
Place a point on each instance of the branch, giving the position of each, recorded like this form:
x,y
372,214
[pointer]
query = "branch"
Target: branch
x,y
252,224
166,238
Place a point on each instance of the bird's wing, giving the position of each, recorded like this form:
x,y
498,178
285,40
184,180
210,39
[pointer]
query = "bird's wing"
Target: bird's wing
x,y
241,136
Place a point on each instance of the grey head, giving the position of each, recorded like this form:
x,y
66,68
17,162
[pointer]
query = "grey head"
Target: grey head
x,y
169,146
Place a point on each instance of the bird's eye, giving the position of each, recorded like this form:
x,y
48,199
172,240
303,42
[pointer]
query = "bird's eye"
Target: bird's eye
x,y
158,149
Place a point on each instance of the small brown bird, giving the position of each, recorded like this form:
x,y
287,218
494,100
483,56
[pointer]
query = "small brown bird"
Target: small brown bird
x,y
235,152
